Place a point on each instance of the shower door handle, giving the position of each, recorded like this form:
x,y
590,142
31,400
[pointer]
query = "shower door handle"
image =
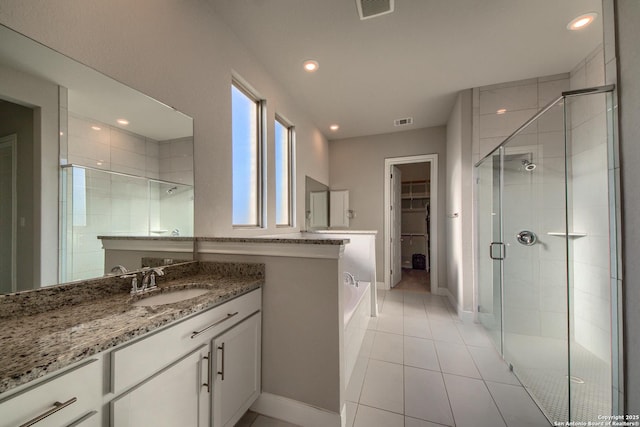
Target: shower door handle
x,y
502,251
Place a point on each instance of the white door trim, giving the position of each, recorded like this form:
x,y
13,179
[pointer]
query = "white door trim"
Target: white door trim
x,y
433,232
12,142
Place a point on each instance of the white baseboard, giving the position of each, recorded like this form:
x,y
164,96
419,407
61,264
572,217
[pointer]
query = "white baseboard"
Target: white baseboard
x,y
380,285
465,316
296,412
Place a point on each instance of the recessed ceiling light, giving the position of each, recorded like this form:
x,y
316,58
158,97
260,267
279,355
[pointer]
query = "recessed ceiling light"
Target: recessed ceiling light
x,y
123,122
334,127
310,65
501,111
582,21
96,128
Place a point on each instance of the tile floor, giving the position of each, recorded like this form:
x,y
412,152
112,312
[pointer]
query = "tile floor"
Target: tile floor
x,y
414,280
420,366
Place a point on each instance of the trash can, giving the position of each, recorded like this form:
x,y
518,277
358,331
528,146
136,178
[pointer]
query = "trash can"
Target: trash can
x,y
419,261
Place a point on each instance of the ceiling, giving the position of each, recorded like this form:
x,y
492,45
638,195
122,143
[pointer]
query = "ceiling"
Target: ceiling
x,y
410,63
92,94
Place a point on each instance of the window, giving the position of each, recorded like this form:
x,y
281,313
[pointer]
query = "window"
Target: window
x,y
284,173
246,117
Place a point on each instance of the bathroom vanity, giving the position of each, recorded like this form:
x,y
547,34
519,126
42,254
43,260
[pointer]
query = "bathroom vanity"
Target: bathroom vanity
x,y
307,350
100,360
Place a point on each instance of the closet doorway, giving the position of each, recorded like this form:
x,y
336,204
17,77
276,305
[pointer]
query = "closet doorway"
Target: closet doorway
x,y
410,238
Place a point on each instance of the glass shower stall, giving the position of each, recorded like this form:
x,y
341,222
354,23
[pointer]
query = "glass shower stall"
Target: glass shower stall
x,y
547,257
98,202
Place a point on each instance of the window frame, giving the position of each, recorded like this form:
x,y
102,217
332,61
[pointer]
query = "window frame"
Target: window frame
x,y
260,166
290,134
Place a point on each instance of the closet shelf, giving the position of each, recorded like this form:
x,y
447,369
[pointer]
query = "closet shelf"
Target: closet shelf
x,y
416,196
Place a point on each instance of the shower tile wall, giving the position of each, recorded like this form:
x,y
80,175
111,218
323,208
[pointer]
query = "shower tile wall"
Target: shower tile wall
x,y
176,160
536,304
590,211
117,205
520,100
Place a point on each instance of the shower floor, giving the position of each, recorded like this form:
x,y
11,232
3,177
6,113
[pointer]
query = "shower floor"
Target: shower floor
x,y
541,365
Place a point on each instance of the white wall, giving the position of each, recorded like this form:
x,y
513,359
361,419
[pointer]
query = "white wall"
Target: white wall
x,y
183,55
459,204
627,36
42,96
357,164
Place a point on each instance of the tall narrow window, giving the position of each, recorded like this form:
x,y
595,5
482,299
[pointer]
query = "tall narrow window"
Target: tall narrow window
x,y
284,173
246,140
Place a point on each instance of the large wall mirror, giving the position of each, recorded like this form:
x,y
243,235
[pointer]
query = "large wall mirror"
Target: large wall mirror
x,y
81,155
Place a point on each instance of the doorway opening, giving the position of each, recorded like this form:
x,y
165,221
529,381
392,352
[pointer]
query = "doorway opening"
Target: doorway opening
x,y
8,213
410,238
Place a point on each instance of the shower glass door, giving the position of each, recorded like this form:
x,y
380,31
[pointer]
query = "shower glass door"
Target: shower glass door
x,y
490,250
535,301
548,279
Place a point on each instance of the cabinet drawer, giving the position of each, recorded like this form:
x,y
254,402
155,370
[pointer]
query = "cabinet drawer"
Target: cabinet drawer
x,y
79,390
141,359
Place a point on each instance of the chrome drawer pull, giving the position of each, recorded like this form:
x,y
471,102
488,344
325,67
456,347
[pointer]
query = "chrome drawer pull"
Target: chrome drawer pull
x,y
208,383
221,372
56,407
229,316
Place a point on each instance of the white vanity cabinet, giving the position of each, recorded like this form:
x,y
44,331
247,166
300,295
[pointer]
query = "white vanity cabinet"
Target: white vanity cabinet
x,y
71,398
169,378
237,371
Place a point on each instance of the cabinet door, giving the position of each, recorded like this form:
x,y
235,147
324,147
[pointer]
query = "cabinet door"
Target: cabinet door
x,y
175,396
237,371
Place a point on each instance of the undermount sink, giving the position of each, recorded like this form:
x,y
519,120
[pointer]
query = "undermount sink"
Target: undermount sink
x,y
170,297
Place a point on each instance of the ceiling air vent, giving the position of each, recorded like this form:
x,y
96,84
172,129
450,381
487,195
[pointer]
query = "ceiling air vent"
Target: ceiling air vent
x,y
372,8
403,122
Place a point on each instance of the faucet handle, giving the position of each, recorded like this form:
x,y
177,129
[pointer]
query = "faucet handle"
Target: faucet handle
x,y
134,282
119,268
350,278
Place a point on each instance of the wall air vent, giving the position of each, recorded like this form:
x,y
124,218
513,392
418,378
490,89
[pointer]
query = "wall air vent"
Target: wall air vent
x,y
403,122
372,8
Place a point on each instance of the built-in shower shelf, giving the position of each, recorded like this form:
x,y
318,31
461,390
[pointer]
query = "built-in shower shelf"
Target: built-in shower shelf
x,y
563,234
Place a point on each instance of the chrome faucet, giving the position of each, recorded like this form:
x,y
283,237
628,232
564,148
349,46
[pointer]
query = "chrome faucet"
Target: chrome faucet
x,y
134,282
350,279
121,269
149,278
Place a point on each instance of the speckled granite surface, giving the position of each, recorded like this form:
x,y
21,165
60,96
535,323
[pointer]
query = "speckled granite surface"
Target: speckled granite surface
x,y
293,238
176,239
48,329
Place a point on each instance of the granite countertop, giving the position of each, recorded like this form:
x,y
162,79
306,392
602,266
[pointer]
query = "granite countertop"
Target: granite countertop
x,y
50,328
289,238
